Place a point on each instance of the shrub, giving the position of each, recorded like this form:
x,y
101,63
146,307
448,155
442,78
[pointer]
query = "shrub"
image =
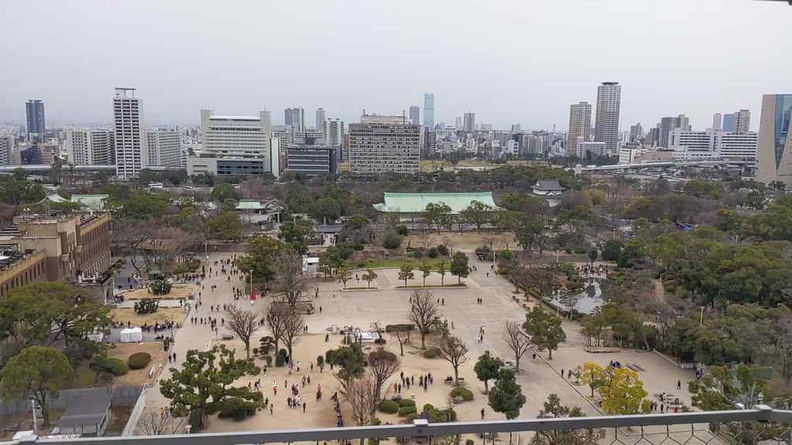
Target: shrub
x,y
283,352
428,407
319,360
410,418
442,249
463,392
406,402
402,230
417,254
433,253
430,353
146,306
389,407
399,327
113,366
180,269
280,360
391,240
255,351
237,409
470,442
139,360
268,359
406,411
160,287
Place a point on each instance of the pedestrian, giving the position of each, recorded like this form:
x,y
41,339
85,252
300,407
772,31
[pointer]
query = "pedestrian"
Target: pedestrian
x,y
482,413
679,384
305,405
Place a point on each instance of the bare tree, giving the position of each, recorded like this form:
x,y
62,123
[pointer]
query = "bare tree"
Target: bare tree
x,y
293,325
154,423
424,312
454,351
382,365
397,332
289,279
243,323
517,341
275,316
361,395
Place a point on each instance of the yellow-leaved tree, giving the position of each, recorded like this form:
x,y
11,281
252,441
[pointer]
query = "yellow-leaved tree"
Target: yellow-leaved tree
x,y
594,376
624,393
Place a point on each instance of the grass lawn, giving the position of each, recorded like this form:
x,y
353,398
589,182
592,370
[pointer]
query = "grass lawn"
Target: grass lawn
x,y
416,263
163,314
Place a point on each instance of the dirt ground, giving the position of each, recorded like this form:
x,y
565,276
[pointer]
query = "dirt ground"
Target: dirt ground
x,y
163,314
138,377
467,241
177,291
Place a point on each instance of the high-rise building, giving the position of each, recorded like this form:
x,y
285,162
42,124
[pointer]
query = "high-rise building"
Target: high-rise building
x,y
717,121
287,117
296,118
636,132
90,147
668,125
6,148
579,125
458,123
321,117
234,145
470,122
730,122
164,148
35,117
334,134
775,145
384,144
429,111
130,140
415,115
743,122
607,121
516,128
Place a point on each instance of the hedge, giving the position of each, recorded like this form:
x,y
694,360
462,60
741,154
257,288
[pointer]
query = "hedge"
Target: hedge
x,y
463,392
430,353
237,409
406,411
406,402
139,360
389,407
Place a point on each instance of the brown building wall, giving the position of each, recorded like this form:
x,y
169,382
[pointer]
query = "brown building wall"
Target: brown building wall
x,y
32,269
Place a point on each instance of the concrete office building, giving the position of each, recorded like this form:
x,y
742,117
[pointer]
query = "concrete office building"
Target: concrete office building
x,y
607,122
698,145
458,123
636,132
469,122
295,117
742,121
737,146
164,148
130,139
516,128
6,148
729,122
311,160
321,117
384,144
90,147
668,125
586,150
34,110
415,115
233,145
579,125
429,111
717,121
775,145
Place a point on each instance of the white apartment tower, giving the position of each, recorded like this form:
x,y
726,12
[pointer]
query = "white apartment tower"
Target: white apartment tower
x,y
130,140
164,148
6,147
607,122
90,147
743,121
240,137
321,117
579,125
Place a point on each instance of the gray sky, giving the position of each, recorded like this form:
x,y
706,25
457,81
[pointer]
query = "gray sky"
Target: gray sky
x,y
521,61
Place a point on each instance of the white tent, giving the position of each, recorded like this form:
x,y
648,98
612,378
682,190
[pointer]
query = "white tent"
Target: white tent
x,y
131,335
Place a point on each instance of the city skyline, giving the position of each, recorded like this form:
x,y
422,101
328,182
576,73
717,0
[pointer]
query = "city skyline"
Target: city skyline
x,y
536,98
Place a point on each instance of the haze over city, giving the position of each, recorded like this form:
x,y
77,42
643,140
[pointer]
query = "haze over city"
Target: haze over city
x,y
509,62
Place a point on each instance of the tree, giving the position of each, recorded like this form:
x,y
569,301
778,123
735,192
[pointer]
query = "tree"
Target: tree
x,y
36,372
426,270
593,254
330,260
477,214
344,275
545,330
554,409
243,323
260,258
624,393
382,365
459,266
223,192
203,385
406,272
506,396
351,360
517,341
594,376
226,226
275,317
528,230
293,325
441,269
424,312
487,368
369,276
439,214
612,250
454,351
289,278
391,240
361,394
296,234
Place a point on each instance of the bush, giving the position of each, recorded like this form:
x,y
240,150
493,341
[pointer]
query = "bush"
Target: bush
x,y
391,240
406,402
280,360
268,359
146,306
237,409
442,249
399,327
417,254
389,407
160,287
255,351
470,442
410,418
433,253
139,360
428,407
402,230
430,353
180,269
463,392
113,366
406,411
319,360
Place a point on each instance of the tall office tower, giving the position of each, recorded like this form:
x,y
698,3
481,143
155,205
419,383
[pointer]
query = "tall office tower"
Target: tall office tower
x,y
90,147
164,148
579,125
730,122
384,144
238,137
6,148
743,121
287,117
636,132
516,128
607,122
35,117
775,145
683,122
668,125
717,121
470,122
321,117
458,123
295,117
130,140
415,115
335,132
429,111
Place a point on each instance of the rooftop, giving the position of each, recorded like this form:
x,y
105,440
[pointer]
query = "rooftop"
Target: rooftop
x,y
234,118
416,202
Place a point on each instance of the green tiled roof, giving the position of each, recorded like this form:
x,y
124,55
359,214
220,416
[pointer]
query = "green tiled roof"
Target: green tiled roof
x,y
416,202
249,204
93,202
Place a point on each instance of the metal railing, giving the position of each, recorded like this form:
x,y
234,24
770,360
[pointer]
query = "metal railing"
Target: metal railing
x,y
750,426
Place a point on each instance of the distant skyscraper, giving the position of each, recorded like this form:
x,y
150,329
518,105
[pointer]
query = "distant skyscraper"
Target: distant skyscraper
x,y
636,132
470,122
516,128
287,117
6,148
579,125
130,140
383,144
295,117
90,147
164,148
458,122
607,122
730,123
717,121
415,115
775,145
429,110
668,125
743,122
321,117
334,136
35,117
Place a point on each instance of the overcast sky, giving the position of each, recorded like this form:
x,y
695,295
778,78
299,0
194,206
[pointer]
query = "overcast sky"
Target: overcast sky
x,y
522,61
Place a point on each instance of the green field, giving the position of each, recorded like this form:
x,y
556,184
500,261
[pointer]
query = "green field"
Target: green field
x,y
395,264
